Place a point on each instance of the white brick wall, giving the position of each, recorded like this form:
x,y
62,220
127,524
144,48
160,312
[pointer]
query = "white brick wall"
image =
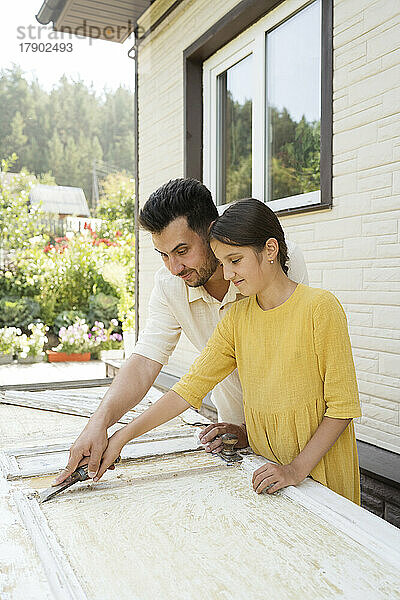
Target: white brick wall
x,y
353,249
364,222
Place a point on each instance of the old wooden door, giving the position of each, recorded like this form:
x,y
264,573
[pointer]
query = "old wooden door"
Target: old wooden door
x,y
172,521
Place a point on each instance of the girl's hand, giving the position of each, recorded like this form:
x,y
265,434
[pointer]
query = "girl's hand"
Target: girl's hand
x,y
274,477
211,436
111,453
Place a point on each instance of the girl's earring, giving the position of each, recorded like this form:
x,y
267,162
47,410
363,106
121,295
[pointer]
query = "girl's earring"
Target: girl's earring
x,y
271,261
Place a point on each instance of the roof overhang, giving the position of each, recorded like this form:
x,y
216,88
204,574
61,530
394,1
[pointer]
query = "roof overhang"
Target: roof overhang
x,y
112,21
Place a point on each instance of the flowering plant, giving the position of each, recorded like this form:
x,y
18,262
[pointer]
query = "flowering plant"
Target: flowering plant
x,y
9,339
106,339
32,345
126,312
75,339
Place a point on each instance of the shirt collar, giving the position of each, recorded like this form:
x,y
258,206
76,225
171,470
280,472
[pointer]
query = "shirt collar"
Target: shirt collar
x,y
197,293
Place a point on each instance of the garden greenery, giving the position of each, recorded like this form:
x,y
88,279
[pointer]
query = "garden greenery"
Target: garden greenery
x,y
59,280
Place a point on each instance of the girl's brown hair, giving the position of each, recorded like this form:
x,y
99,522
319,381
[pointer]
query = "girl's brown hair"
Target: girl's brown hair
x,y
250,222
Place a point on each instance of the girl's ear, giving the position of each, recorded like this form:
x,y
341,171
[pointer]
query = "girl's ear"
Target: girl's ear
x,y
271,248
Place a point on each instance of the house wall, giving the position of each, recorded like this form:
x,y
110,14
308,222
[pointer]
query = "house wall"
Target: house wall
x,y
353,249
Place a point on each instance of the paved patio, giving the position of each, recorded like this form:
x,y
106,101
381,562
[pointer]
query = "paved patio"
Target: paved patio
x,y
47,372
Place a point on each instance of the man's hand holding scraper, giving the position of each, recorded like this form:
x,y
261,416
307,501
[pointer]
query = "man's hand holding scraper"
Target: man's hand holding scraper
x,y
178,215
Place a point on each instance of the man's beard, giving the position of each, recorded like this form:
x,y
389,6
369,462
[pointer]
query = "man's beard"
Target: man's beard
x,y
204,273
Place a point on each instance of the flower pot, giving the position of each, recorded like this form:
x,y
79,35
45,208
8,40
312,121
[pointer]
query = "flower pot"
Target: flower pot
x,y
64,357
29,360
116,354
6,359
129,342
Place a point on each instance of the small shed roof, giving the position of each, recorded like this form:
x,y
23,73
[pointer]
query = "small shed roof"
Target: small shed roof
x,y
60,200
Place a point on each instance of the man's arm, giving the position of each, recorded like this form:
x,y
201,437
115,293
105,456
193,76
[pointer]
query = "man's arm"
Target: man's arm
x,y
128,388
166,408
156,343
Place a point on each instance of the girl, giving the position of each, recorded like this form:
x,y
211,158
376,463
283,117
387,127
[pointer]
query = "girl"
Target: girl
x,y
291,346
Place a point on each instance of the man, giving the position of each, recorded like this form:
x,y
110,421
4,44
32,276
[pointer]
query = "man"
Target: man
x,y
191,295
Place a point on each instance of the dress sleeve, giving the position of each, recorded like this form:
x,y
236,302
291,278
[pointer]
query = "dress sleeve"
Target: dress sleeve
x,y
335,359
162,331
216,362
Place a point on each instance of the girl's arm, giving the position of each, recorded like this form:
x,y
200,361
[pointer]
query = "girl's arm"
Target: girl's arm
x,y
215,362
274,477
166,408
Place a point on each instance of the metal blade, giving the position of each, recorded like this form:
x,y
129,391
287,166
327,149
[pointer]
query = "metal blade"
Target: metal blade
x,y
54,490
80,474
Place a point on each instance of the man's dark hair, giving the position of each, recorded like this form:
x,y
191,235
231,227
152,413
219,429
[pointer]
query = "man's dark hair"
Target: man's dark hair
x,y
179,198
249,222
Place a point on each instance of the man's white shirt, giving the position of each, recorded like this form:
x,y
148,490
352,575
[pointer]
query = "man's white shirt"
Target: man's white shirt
x,y
175,307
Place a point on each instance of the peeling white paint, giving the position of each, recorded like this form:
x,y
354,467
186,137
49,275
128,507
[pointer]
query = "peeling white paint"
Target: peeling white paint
x,y
167,525
189,532
22,576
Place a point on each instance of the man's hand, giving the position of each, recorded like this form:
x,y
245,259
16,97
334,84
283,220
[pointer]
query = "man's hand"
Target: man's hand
x,y
213,443
87,449
273,477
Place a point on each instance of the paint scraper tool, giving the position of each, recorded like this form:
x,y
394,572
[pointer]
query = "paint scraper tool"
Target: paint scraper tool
x,y
80,474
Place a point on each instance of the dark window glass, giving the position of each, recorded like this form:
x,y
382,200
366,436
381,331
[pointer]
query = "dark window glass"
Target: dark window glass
x,y
294,105
234,134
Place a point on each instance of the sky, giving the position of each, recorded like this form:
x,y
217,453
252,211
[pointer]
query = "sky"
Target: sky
x,y
97,62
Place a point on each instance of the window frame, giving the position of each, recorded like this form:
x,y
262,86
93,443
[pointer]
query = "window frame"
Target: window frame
x,y
212,128
234,27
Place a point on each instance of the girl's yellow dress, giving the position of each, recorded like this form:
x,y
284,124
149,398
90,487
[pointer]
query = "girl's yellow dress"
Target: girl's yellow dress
x,y
296,366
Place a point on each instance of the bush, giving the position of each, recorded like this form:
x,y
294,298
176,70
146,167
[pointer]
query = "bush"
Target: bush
x,y
102,307
19,312
67,318
75,339
20,276
18,220
32,345
83,272
69,275
9,339
117,202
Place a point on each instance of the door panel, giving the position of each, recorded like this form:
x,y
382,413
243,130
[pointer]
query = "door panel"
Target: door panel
x,y
179,528
172,522
22,575
20,424
84,402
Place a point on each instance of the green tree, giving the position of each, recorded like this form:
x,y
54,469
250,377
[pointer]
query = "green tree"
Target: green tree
x,y
117,127
295,155
71,123
71,167
238,159
56,156
16,137
117,202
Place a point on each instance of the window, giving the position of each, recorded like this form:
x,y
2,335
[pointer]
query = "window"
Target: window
x,y
234,131
262,111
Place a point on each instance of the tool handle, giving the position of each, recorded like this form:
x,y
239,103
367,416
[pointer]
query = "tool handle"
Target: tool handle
x,y
81,473
229,440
